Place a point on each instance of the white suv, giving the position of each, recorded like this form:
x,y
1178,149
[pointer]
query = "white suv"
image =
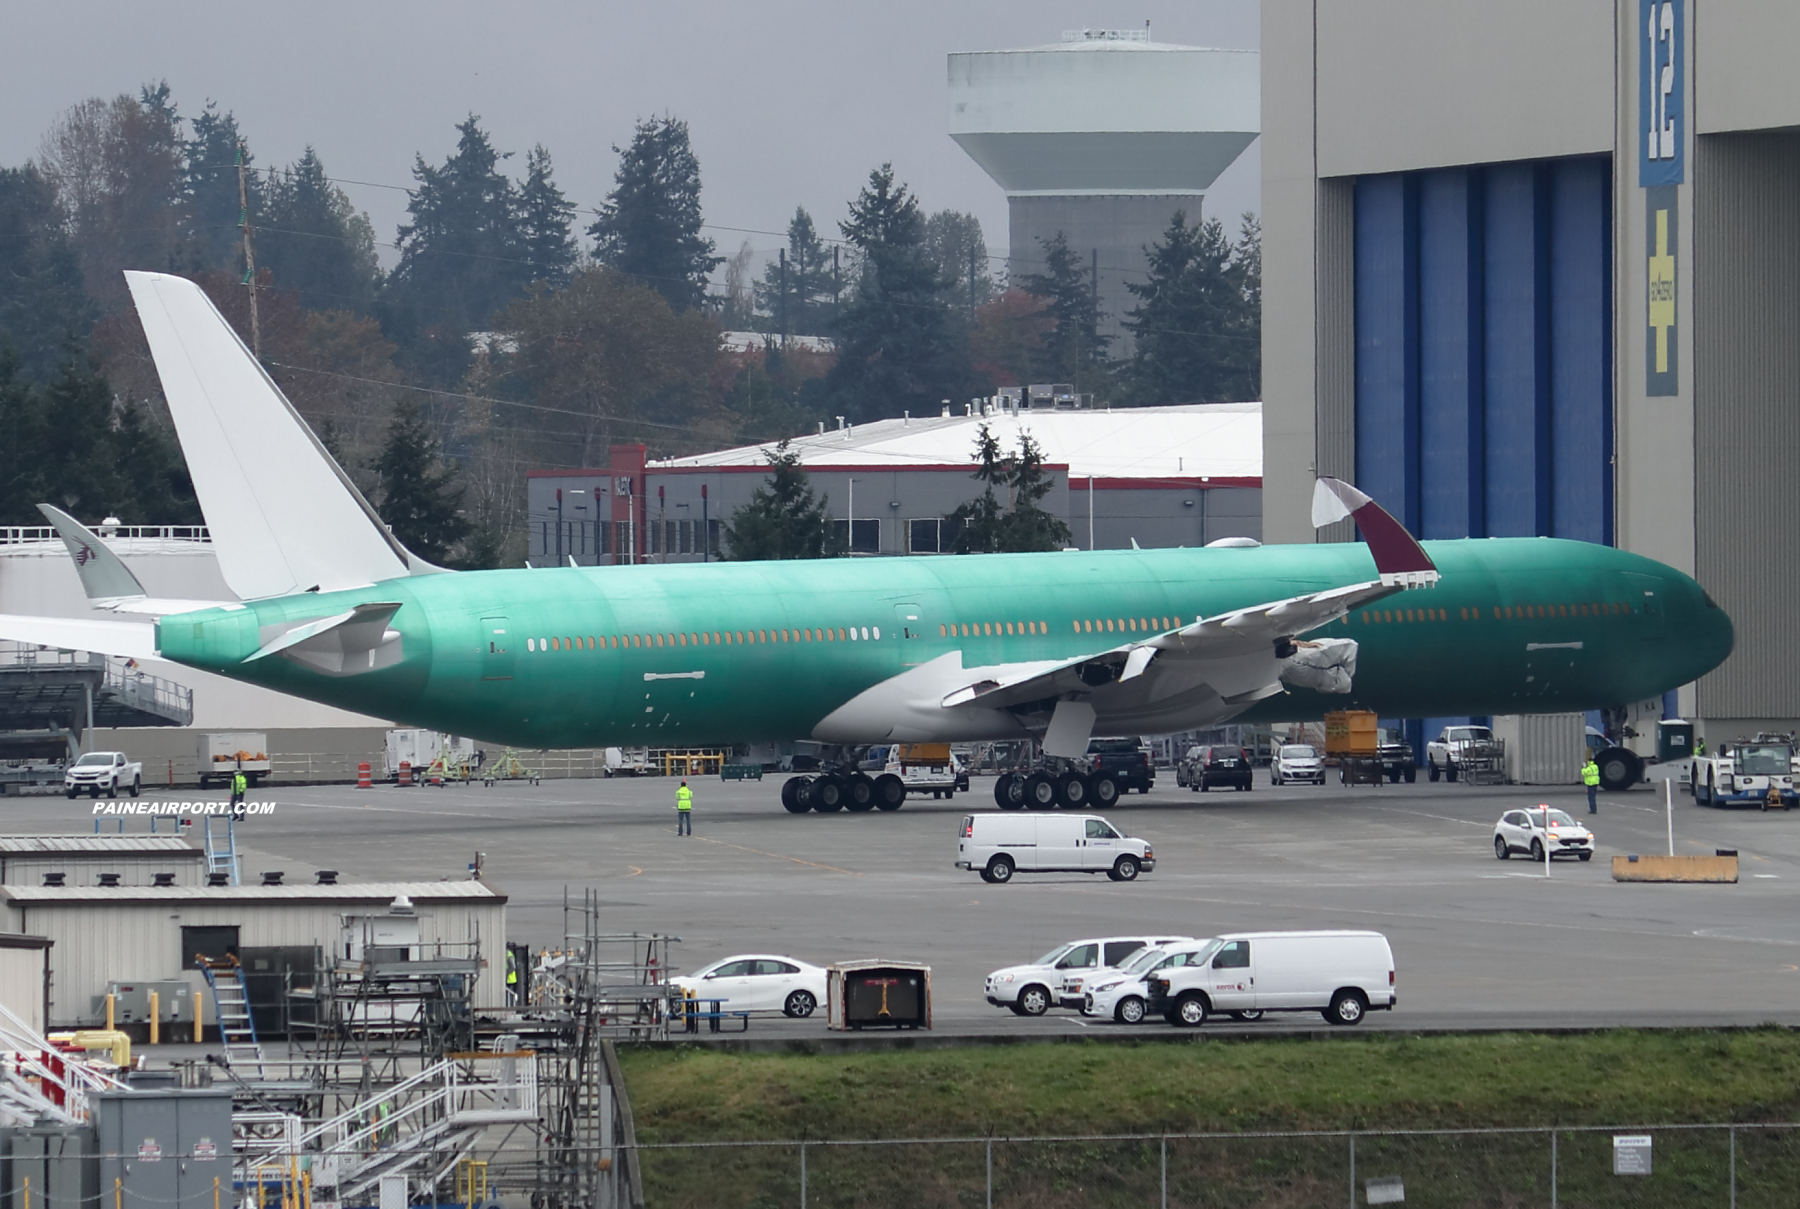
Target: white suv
x,y
1124,997
1058,978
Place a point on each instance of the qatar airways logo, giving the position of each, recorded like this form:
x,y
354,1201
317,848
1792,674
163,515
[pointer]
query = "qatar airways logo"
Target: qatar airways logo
x,y
84,555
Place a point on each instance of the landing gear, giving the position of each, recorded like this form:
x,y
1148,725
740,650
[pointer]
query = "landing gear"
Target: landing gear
x,y
1103,791
1040,791
861,794
1009,791
1620,768
790,796
830,794
890,792
1072,791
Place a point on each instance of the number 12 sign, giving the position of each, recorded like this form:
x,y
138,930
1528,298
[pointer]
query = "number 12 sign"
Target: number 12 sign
x,y
1662,107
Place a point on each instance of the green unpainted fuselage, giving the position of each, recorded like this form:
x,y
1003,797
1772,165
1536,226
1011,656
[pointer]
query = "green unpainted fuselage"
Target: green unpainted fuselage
x,y
740,652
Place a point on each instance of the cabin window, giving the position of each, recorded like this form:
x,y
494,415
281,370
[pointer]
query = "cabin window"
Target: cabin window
x,y
840,633
852,633
873,633
943,630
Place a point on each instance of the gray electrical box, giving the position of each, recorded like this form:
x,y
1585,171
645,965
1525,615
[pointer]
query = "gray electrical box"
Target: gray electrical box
x,y
165,1147
131,1001
56,1162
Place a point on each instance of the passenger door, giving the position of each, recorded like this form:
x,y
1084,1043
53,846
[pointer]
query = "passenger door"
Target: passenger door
x,y
731,984
1101,846
1231,982
1079,961
770,984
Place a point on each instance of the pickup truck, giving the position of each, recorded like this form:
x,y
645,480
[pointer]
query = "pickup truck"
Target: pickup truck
x,y
98,771
1396,755
1443,755
1126,760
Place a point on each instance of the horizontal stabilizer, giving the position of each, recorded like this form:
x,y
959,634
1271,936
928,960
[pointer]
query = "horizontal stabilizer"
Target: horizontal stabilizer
x,y
283,515
340,645
129,639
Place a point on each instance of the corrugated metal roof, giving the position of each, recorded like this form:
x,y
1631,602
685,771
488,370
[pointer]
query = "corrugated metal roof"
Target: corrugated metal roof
x,y
350,892
64,845
1219,440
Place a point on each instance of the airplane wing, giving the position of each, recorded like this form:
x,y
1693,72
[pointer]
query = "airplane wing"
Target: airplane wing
x,y
108,582
1200,674
131,639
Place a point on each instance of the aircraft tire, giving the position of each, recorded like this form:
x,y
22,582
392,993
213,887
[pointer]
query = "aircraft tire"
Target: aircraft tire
x,y
1620,769
1073,791
860,794
890,792
829,794
790,796
1104,791
1040,791
1009,791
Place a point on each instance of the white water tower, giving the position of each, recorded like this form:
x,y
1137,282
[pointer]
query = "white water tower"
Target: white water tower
x,y
1103,136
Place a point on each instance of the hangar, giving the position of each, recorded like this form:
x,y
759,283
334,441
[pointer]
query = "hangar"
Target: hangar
x,y
1534,269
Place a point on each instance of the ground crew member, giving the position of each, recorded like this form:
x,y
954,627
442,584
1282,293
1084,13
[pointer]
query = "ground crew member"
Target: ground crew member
x,y
684,810
240,785
1699,745
1590,776
512,976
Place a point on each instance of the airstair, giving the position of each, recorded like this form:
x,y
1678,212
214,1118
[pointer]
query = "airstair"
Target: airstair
x,y
231,1008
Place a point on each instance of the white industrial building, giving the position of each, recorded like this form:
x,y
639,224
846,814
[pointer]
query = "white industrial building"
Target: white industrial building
x,y
145,934
1156,476
135,859
1534,269
1102,137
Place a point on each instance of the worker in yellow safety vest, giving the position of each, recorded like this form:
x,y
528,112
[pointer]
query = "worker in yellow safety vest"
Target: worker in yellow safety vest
x,y
1590,777
512,976
684,810
240,785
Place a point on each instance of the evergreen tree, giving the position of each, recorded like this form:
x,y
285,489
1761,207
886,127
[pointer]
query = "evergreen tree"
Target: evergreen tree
x,y
956,246
782,519
1073,348
462,256
900,347
68,444
210,181
544,220
419,499
312,240
42,304
1198,324
984,526
800,298
649,227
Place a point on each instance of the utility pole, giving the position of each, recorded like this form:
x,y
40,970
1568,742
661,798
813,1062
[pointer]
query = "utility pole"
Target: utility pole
x,y
971,283
249,252
784,296
837,281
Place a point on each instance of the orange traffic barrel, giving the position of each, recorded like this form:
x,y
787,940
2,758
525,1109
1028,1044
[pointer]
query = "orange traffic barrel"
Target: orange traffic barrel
x,y
406,772
362,776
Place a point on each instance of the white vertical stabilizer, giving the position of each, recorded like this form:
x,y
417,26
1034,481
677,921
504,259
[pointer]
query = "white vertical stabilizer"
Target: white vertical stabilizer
x,y
284,517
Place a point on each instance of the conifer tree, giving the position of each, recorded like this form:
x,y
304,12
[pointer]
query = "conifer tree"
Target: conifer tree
x,y
313,240
1073,348
42,304
649,227
1198,324
798,298
420,501
461,257
210,180
986,526
544,217
782,519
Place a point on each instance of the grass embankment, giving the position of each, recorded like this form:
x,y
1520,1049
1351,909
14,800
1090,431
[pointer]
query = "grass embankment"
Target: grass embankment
x,y
1371,1082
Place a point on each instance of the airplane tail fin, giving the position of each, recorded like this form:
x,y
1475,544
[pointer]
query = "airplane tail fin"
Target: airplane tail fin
x,y
284,516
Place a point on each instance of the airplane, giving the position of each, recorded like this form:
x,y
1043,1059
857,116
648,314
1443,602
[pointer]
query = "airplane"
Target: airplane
x,y
1055,646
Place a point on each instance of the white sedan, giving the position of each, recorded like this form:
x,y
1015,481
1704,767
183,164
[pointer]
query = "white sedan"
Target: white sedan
x,y
758,982
1121,995
1524,831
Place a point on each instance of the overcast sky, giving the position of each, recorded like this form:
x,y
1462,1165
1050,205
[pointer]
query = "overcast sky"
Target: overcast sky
x,y
790,102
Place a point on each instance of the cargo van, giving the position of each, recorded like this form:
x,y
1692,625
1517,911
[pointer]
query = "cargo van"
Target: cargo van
x,y
999,845
1341,975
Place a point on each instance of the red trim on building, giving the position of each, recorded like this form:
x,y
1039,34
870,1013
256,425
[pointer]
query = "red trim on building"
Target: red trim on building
x,y
833,468
1080,483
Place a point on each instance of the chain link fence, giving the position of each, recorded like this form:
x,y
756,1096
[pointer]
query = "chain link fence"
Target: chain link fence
x,y
1683,1165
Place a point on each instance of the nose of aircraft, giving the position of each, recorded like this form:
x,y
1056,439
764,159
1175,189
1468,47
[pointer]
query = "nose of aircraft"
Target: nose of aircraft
x,y
1707,628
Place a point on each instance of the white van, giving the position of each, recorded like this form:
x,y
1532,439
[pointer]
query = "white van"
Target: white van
x,y
998,845
1342,975
1032,989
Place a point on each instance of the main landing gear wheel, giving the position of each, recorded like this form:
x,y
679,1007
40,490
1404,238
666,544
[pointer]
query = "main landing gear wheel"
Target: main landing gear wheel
x,y
830,794
1009,791
1103,791
890,792
1072,791
861,794
1040,791
1620,769
790,796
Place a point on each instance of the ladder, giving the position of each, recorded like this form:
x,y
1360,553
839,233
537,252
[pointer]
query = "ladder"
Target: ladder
x,y
231,1008
221,848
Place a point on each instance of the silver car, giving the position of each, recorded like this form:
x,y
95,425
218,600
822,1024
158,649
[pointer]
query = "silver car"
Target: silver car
x,y
1297,762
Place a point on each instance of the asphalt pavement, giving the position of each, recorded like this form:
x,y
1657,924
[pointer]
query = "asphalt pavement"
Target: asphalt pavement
x,y
1479,943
